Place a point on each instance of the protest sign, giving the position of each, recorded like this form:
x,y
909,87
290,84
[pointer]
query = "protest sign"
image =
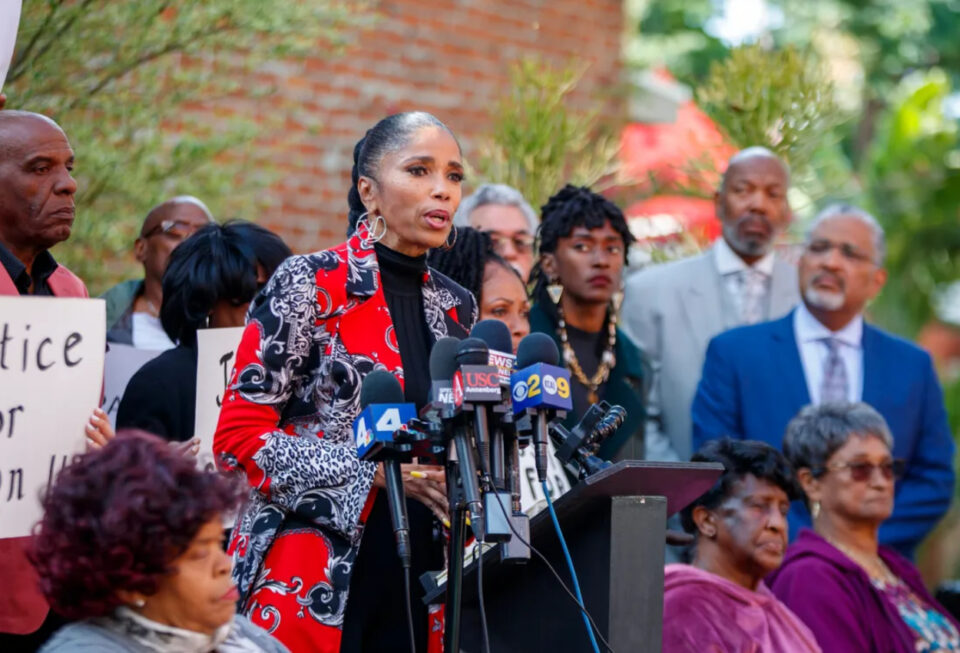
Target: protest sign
x,y
122,362
9,20
531,494
215,357
51,373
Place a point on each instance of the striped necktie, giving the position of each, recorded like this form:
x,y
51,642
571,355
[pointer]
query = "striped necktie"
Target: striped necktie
x,y
834,387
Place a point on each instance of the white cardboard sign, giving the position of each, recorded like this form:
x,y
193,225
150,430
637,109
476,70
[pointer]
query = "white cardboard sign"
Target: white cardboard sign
x,y
9,21
122,362
215,357
51,373
532,500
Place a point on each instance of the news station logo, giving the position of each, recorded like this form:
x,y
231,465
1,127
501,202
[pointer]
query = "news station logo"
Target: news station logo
x,y
541,384
504,363
476,383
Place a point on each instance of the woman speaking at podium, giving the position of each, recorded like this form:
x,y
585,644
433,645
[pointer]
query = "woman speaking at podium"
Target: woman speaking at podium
x,y
324,321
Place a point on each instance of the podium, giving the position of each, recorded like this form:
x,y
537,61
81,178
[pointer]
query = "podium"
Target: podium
x,y
615,526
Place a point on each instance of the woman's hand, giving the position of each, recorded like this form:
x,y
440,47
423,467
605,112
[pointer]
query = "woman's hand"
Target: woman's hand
x,y
425,483
98,430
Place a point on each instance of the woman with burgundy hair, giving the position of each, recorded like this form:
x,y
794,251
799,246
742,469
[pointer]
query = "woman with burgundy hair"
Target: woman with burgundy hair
x,y
130,546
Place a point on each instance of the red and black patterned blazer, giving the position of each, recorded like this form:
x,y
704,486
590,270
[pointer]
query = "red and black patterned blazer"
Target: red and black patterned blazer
x,y
316,330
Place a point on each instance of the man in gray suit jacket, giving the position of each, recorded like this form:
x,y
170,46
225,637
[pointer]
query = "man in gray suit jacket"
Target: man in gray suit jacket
x,y
673,310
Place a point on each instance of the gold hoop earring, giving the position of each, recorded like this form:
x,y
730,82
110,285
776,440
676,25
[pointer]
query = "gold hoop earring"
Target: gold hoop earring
x,y
448,244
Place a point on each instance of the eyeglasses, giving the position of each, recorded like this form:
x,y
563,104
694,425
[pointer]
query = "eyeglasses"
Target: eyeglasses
x,y
523,243
173,228
863,471
822,247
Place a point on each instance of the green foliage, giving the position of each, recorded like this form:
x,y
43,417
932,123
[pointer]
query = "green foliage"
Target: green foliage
x,y
156,100
912,175
782,100
539,142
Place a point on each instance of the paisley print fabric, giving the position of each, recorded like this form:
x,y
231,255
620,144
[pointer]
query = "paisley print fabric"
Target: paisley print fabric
x,y
320,325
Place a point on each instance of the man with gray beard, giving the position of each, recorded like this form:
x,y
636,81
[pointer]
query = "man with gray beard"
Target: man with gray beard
x,y
673,310
756,378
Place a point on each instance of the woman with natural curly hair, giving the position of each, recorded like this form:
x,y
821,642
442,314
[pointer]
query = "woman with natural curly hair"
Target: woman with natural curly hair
x,y
130,545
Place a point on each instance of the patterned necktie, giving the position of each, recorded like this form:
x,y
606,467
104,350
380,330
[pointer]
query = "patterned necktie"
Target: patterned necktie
x,y
834,386
753,287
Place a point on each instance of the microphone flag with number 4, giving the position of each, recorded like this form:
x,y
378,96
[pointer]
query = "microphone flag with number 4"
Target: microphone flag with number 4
x,y
376,425
541,385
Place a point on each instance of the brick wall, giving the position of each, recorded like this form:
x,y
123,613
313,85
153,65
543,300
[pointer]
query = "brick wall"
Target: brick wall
x,y
450,58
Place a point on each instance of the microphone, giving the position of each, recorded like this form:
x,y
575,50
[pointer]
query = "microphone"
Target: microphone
x,y
499,343
382,435
474,385
497,337
541,389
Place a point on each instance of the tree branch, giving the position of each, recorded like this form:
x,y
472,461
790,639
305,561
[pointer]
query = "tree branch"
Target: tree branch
x,y
18,67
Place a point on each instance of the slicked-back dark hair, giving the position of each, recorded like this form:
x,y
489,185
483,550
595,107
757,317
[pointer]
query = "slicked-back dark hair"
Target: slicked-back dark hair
x,y
388,135
466,260
572,207
740,458
216,263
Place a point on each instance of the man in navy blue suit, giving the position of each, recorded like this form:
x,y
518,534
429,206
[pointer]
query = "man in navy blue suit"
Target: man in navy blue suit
x,y
756,378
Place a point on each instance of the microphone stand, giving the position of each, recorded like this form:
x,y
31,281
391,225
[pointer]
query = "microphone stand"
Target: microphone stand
x,y
455,552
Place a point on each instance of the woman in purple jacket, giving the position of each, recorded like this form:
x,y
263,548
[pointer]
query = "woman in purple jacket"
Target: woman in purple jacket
x,y
854,595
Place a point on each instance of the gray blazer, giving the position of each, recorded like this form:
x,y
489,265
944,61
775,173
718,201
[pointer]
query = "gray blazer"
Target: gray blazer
x,y
672,311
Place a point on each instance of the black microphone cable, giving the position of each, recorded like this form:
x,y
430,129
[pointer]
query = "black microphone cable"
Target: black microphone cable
x,y
406,594
556,575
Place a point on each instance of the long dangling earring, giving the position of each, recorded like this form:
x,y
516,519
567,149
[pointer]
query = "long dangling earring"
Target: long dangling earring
x,y
448,244
555,290
815,509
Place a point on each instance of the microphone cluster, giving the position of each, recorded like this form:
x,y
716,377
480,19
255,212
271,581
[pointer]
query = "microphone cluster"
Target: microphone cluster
x,y
484,405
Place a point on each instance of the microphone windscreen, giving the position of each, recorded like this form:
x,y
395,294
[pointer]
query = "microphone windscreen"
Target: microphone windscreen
x,y
537,348
473,351
495,333
380,387
443,358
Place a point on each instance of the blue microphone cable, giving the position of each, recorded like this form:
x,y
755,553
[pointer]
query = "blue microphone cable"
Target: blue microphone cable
x,y
573,572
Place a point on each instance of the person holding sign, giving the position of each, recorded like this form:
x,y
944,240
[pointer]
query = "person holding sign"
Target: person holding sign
x,y
208,283
137,579
583,243
36,212
323,323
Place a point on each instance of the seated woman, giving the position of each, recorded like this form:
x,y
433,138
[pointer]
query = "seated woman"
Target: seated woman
x,y
855,595
497,286
209,282
719,602
583,241
130,547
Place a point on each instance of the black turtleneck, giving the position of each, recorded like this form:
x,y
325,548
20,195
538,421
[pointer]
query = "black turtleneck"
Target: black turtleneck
x,y
402,279
375,619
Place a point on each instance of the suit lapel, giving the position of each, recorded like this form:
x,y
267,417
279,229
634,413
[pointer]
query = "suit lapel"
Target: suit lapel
x,y
871,376
7,287
783,288
787,363
701,301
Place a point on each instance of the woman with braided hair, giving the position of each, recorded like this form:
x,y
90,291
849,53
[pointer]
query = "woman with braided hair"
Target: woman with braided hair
x,y
583,241
495,283
316,528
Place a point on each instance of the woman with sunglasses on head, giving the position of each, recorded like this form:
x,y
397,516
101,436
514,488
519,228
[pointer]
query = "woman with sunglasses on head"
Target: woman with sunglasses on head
x,y
208,283
583,243
316,529
855,595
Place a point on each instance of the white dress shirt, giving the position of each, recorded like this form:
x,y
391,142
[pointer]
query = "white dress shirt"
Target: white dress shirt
x,y
811,338
148,333
747,286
